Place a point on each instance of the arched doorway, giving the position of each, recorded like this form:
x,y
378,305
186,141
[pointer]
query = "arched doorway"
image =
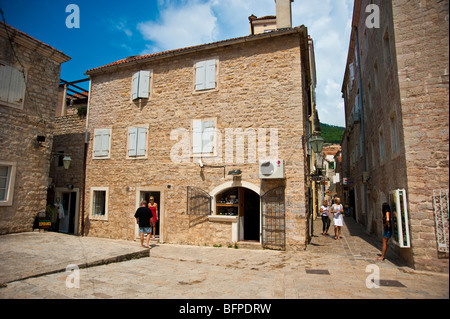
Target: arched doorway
x,y
244,203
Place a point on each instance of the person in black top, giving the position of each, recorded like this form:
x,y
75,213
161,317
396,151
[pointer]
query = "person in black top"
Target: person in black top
x,y
387,229
143,215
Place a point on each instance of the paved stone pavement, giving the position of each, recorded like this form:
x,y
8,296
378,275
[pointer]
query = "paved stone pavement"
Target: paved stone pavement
x,y
327,269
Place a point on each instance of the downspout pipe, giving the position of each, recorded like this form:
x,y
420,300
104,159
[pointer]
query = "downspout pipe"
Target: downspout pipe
x,y
86,146
361,115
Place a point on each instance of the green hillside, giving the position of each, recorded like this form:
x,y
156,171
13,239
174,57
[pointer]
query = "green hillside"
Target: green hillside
x,y
332,134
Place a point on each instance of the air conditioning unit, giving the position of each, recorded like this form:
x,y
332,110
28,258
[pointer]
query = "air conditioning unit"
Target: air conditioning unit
x,y
271,169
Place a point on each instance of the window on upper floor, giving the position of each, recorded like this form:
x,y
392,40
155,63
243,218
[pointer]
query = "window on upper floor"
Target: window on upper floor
x,y
381,145
137,142
141,85
387,48
394,134
204,137
12,86
102,143
205,75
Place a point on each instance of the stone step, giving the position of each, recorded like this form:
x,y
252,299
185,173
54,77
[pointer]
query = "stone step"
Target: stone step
x,y
254,245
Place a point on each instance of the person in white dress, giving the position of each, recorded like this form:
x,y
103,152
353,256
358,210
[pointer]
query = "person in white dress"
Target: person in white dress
x,y
337,209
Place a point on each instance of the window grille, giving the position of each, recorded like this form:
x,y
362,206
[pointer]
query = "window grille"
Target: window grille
x,y
273,213
198,201
440,206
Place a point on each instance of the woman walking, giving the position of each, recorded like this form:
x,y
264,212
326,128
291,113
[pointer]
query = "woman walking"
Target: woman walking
x,y
325,209
387,229
338,222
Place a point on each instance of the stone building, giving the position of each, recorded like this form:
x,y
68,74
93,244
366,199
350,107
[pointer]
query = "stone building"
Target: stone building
x,y
69,144
29,78
216,133
396,145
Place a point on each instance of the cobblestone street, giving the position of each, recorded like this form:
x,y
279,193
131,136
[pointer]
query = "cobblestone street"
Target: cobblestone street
x,y
328,268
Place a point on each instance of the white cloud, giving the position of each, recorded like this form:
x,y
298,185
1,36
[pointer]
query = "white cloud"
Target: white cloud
x,y
190,23
185,23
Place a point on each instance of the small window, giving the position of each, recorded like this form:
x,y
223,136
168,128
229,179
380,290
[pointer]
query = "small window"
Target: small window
x,y
4,181
203,136
394,135
12,86
137,141
387,48
141,85
99,203
7,178
102,143
205,75
380,136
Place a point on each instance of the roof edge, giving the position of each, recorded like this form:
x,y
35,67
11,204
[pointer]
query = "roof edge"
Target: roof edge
x,y
202,47
31,43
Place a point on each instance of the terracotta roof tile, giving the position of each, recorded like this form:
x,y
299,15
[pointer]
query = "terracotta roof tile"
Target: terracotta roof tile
x,y
191,48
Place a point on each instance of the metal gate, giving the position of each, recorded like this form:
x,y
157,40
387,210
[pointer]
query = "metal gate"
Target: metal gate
x,y
198,202
440,206
273,219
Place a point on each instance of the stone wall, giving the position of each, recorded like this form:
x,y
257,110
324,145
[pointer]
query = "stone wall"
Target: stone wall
x,y
21,126
259,87
423,66
404,87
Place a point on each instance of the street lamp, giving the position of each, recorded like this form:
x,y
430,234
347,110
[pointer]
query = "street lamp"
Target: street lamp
x,y
66,162
66,159
316,142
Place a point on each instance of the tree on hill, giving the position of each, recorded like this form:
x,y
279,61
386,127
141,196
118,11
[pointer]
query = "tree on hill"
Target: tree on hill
x,y
332,134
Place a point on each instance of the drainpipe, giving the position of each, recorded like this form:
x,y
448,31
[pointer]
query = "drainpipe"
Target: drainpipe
x,y
86,145
361,115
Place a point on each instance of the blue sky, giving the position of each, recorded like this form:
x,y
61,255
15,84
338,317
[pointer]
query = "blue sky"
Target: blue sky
x,y
112,30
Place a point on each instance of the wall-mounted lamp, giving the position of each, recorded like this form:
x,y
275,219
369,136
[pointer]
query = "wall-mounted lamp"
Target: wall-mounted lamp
x,y
316,141
66,162
39,140
235,172
66,159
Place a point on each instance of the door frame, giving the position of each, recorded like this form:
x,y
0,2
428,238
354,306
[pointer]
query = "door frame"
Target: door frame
x,y
235,228
58,195
162,216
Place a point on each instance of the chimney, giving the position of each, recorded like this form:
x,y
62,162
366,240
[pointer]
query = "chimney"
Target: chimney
x,y
284,14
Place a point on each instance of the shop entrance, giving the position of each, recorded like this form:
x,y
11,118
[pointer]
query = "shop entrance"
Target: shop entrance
x,y
145,195
245,203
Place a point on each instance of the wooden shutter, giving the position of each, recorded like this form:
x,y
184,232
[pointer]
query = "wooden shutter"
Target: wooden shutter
x,y
200,75
135,90
197,131
12,85
17,87
210,74
144,84
141,141
132,141
5,80
101,143
207,136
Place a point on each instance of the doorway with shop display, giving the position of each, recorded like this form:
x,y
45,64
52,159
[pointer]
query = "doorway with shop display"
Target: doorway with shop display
x,y
244,203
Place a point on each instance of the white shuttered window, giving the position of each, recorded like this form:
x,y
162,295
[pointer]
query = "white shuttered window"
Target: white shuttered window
x,y
12,86
141,85
137,141
205,75
102,143
203,136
